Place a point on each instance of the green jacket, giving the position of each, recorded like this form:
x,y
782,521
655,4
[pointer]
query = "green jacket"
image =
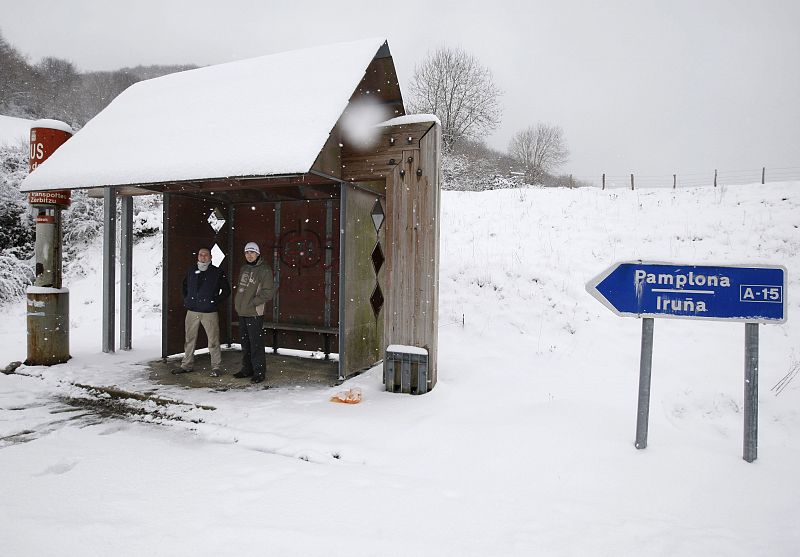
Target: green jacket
x,y
254,289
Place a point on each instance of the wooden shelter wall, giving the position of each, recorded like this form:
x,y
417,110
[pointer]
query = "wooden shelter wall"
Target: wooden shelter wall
x,y
412,246
379,162
329,160
362,330
380,82
431,162
186,229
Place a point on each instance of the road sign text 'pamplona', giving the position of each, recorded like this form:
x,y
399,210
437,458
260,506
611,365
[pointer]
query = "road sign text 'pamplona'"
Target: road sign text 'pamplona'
x,y
679,280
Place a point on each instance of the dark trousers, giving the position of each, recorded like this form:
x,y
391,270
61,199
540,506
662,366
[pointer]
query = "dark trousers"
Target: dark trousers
x,y
251,330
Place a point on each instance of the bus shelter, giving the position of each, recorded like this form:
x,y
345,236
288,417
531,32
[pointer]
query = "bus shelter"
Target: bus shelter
x,y
308,153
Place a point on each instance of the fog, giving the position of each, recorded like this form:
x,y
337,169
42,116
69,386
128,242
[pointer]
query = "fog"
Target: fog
x,y
645,87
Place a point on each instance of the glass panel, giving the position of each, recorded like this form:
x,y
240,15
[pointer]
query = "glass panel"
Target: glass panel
x,y
377,214
376,300
216,255
217,220
377,258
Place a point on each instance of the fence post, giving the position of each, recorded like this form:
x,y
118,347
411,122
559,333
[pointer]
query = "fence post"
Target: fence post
x,y
604,181
631,181
715,177
674,180
763,173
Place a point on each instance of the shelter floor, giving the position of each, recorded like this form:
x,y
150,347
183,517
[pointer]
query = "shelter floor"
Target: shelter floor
x,y
282,371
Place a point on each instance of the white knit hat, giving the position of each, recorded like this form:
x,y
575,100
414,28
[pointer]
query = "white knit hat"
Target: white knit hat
x,y
252,246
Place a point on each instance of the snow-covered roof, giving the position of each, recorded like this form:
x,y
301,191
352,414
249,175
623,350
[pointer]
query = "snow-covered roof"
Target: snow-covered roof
x,y
410,119
258,117
14,130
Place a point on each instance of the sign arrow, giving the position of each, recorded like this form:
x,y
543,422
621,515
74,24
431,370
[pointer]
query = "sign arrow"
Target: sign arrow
x,y
754,294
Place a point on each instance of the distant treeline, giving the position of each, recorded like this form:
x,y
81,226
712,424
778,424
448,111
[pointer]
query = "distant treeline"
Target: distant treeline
x,y
471,165
54,88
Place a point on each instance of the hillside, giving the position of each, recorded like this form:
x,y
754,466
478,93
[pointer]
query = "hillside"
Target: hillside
x,y
13,130
525,447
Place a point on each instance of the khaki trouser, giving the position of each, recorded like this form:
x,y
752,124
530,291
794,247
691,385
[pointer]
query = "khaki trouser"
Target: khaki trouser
x,y
210,322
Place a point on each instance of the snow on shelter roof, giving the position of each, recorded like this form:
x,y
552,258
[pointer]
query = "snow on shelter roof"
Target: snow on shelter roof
x,y
263,116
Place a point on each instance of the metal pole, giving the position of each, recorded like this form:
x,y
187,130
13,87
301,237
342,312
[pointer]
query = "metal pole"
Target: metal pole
x,y
645,367
126,274
109,249
631,181
231,268
763,173
604,181
166,241
674,181
343,187
750,392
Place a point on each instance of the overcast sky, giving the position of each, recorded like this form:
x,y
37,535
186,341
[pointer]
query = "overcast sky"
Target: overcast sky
x,y
653,88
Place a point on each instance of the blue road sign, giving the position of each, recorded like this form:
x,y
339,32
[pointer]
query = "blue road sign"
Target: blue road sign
x,y
739,293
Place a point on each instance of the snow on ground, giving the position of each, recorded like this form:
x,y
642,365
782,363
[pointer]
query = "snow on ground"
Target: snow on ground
x,y
14,130
524,447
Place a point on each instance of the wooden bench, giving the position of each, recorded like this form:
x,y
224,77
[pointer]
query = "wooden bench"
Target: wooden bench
x,y
290,327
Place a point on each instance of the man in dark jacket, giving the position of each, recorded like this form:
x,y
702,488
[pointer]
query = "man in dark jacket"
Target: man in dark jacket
x,y
253,291
205,288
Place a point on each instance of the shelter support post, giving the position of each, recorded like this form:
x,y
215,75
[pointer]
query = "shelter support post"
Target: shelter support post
x,y
109,273
165,299
126,272
750,392
231,275
645,368
342,277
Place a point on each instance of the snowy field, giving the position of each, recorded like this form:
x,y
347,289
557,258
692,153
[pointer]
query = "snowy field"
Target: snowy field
x,y
525,446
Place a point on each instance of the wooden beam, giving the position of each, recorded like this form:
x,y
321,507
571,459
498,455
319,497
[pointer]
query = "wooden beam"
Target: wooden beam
x,y
380,160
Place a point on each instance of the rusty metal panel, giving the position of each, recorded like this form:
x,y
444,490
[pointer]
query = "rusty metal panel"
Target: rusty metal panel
x,y
302,263
48,326
296,240
186,230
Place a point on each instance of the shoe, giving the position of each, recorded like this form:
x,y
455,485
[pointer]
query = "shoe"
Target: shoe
x,y
179,370
257,379
216,373
242,374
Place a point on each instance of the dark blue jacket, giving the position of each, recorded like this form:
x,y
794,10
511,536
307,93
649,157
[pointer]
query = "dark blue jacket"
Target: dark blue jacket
x,y
204,291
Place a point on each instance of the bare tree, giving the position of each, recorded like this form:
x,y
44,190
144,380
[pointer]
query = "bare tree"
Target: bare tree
x,y
98,89
16,81
454,86
58,88
540,149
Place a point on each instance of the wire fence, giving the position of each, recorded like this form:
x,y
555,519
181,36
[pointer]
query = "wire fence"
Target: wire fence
x,y
713,178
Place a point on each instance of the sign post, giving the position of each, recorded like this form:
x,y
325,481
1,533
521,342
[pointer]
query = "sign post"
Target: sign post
x,y
750,452
749,294
645,367
47,300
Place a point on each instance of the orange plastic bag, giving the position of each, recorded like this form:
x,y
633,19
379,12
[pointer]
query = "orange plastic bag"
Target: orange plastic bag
x,y
350,396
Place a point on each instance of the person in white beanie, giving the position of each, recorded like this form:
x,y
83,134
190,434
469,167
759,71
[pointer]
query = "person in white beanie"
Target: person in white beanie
x,y
253,290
